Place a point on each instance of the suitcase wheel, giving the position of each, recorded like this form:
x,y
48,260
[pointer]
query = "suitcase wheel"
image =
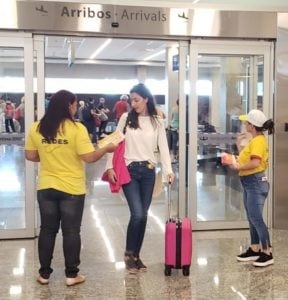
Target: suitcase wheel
x,y
186,270
167,270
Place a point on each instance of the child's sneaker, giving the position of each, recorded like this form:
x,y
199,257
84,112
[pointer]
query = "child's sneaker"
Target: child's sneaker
x,y
249,255
264,260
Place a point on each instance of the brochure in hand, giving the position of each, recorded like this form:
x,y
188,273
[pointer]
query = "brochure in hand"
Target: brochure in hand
x,y
115,137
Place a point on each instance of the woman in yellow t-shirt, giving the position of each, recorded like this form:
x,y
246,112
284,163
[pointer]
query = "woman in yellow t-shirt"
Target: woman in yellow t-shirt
x,y
251,165
61,145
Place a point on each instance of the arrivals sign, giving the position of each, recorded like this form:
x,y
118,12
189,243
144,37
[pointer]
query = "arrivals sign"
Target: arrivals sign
x,y
94,18
43,16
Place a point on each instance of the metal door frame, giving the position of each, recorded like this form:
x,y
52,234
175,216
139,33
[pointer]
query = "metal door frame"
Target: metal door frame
x,y
25,41
224,47
187,187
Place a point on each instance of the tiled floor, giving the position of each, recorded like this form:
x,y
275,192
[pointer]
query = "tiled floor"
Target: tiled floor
x,y
214,274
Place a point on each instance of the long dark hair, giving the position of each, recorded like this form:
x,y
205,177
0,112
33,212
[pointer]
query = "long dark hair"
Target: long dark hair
x,y
57,112
132,119
267,126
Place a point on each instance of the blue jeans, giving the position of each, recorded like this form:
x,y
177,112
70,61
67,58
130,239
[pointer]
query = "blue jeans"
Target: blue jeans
x,y
138,193
256,188
175,137
58,207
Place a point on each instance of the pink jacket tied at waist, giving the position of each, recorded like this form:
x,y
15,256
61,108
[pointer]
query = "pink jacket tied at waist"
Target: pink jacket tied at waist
x,y
120,168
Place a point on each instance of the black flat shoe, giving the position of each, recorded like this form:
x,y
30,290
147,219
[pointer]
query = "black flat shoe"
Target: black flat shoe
x,y
141,267
131,264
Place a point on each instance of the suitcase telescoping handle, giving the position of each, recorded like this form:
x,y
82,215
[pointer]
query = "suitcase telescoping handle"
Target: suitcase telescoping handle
x,y
169,200
169,189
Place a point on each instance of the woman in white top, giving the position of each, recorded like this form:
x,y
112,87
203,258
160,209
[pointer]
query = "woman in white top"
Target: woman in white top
x,y
144,132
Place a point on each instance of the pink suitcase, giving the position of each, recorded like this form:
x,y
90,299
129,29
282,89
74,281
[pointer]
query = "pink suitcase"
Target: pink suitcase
x,y
178,242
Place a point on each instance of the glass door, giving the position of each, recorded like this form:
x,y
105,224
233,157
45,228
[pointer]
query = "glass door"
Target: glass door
x,y
17,179
176,101
227,80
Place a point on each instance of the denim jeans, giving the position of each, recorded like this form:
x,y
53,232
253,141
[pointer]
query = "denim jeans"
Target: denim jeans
x,y
174,136
138,193
102,128
256,188
58,207
9,122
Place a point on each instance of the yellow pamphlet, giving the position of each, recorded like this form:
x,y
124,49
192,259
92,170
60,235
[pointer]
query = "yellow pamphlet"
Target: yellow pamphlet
x,y
115,138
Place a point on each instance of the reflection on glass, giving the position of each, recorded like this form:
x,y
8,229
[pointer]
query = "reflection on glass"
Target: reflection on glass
x,y
12,166
9,181
12,188
237,86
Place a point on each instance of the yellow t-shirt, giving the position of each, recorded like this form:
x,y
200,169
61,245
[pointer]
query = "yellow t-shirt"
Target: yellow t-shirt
x,y
60,165
257,148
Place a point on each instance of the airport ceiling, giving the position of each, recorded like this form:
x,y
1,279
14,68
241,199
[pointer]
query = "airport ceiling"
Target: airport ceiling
x,y
87,50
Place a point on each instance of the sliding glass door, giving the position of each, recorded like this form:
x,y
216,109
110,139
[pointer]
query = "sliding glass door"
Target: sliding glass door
x,y
17,179
227,80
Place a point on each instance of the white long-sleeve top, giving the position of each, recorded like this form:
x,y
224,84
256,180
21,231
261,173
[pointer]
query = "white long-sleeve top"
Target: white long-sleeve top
x,y
142,143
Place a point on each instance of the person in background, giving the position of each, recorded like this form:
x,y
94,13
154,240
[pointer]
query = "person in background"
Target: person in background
x,y
88,113
120,107
174,130
47,100
9,111
251,165
80,111
2,114
20,114
144,132
102,110
61,145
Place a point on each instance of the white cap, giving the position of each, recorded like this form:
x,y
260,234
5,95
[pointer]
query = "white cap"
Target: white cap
x,y
255,117
125,97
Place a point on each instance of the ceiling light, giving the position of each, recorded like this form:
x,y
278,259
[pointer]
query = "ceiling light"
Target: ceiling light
x,y
101,48
155,54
